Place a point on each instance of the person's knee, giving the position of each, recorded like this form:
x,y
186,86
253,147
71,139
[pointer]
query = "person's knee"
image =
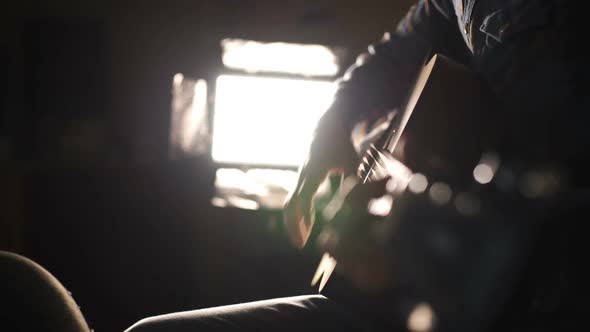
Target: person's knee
x,y
146,324
260,315
195,320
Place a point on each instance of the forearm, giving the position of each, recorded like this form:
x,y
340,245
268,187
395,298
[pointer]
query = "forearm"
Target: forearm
x,y
382,76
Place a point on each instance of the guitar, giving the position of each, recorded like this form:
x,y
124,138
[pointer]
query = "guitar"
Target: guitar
x,y
452,266
446,125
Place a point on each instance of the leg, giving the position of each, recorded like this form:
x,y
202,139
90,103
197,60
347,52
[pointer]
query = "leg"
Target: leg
x,y
301,313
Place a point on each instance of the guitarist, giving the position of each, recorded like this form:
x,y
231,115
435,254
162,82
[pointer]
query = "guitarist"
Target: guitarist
x,y
514,276
522,49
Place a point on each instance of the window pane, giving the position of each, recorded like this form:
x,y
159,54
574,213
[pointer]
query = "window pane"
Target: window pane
x,y
266,121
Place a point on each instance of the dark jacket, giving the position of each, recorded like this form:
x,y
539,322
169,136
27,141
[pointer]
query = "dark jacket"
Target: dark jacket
x,y
524,49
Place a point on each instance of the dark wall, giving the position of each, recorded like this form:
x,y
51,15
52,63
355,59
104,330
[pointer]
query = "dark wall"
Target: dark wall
x,y
66,99
117,59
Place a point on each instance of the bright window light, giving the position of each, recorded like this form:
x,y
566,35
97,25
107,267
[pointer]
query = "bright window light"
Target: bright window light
x,y
299,59
266,121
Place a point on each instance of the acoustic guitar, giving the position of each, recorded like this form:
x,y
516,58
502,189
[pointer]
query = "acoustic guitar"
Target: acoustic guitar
x,y
462,266
446,125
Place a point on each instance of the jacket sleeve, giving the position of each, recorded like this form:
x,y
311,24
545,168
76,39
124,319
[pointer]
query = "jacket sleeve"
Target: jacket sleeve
x,y
382,76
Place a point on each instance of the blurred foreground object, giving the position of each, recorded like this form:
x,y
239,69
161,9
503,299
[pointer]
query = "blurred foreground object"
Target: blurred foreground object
x,y
34,300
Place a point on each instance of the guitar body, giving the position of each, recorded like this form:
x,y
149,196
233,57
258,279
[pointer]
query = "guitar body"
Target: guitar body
x,y
449,121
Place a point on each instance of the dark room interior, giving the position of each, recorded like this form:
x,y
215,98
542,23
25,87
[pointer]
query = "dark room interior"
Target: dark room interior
x,y
92,186
88,188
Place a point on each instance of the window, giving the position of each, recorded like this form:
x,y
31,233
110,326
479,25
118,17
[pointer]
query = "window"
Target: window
x,y
266,106
266,120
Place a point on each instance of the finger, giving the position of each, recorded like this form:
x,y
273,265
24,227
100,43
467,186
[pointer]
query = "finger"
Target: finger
x,y
312,179
299,212
292,216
